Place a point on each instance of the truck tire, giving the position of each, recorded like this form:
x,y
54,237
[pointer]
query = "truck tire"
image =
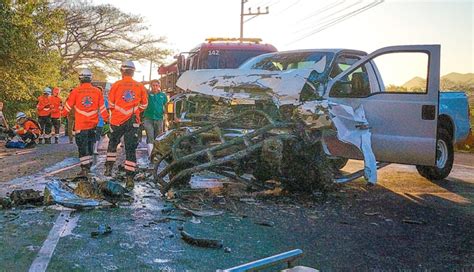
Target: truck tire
x,y
444,158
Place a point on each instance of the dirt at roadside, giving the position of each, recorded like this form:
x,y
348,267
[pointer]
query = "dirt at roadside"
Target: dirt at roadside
x,y
21,162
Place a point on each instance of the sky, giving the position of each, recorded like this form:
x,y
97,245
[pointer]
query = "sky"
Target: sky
x,y
294,24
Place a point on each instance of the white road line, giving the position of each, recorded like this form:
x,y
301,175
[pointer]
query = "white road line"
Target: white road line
x,y
40,264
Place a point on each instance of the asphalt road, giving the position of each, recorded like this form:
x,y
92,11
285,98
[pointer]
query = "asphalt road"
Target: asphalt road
x,y
405,222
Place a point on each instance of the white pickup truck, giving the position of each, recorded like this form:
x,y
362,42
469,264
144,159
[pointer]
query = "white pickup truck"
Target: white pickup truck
x,y
344,90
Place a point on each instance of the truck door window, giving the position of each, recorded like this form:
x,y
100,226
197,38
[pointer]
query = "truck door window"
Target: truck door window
x,y
342,63
404,72
355,84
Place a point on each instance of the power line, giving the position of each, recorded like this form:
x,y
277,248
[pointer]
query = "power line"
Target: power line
x,y
288,7
339,19
323,9
323,19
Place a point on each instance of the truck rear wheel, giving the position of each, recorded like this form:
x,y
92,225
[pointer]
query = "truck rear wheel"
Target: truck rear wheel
x,y
444,158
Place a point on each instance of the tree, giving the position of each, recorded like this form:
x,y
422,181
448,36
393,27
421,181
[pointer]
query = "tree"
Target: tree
x,y
102,36
27,28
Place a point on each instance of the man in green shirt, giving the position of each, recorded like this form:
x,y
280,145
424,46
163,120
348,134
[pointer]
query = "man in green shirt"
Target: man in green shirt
x,y
153,122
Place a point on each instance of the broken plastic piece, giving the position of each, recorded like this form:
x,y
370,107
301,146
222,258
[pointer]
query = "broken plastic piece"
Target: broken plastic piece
x,y
102,230
26,196
59,193
113,189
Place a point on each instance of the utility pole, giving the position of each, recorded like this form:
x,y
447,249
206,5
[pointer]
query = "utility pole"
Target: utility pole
x,y
250,13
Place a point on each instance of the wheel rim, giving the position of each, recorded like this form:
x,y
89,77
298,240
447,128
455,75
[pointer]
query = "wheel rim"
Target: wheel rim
x,y
441,154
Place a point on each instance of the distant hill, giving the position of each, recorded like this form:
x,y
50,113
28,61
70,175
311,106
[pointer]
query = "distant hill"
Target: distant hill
x,y
449,81
416,82
459,78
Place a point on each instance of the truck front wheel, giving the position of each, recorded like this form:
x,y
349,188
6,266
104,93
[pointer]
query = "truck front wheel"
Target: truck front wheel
x,y
444,158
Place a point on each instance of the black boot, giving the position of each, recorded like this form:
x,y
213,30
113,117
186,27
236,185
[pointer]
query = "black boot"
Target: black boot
x,y
56,140
47,140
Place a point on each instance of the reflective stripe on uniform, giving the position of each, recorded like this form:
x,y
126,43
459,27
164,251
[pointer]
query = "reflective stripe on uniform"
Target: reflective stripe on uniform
x,y
111,156
124,111
130,166
130,163
86,113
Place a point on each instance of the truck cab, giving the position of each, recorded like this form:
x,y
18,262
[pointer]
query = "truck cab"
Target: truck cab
x,y
383,119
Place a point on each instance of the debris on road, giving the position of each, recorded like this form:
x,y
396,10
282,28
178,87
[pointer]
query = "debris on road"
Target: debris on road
x,y
265,223
57,192
113,189
102,230
5,203
414,222
26,196
202,213
201,242
371,213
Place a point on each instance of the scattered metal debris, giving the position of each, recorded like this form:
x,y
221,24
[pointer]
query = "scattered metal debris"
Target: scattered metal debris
x,y
414,222
26,196
265,223
5,203
57,192
371,213
201,242
199,213
102,230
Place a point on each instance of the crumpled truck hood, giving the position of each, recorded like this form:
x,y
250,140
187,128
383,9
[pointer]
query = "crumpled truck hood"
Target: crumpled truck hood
x,y
283,87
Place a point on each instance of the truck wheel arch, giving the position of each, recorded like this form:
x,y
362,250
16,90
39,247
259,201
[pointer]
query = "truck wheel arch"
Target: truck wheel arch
x,y
445,122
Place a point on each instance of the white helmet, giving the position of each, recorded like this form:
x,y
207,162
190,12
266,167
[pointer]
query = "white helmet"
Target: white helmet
x,y
85,74
128,64
20,115
46,91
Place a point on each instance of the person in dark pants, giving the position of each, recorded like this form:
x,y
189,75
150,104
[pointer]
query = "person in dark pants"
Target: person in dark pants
x,y
127,98
88,103
44,116
56,106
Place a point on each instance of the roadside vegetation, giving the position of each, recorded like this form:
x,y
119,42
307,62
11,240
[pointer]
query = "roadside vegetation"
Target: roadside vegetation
x,y
43,43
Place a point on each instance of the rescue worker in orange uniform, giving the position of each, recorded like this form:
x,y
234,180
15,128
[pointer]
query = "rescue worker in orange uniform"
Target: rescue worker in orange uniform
x,y
44,116
88,103
27,129
127,99
56,107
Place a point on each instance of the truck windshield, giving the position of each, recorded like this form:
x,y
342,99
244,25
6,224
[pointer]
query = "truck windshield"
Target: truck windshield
x,y
221,59
318,61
